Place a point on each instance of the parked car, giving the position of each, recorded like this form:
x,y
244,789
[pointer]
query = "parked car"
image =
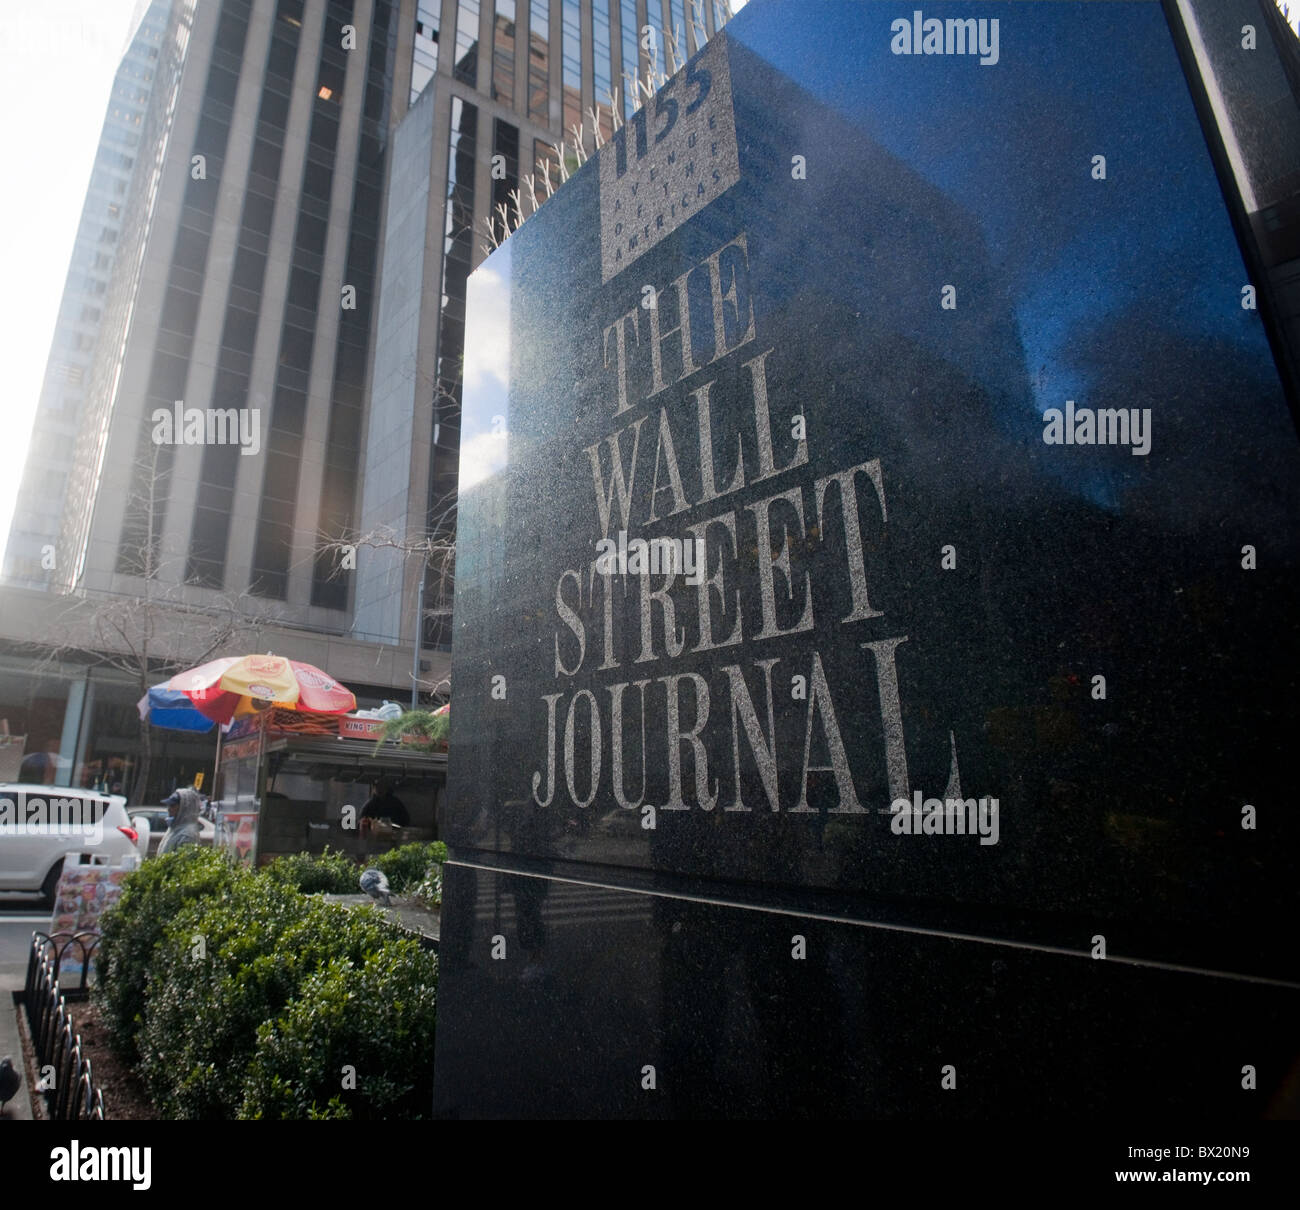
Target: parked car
x,y
41,825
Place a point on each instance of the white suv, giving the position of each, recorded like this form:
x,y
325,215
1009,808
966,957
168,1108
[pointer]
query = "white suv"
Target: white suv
x,y
41,825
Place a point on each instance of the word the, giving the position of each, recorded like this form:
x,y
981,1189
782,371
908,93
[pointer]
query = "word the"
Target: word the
x,y
658,556
208,426
1107,426
955,36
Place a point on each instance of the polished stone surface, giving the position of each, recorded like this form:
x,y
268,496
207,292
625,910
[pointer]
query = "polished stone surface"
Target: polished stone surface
x,y
899,278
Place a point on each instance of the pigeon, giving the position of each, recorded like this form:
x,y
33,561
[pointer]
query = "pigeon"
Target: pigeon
x,y
375,885
10,1080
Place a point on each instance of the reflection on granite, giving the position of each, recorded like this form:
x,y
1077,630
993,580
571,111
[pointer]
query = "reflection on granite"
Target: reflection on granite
x,y
935,677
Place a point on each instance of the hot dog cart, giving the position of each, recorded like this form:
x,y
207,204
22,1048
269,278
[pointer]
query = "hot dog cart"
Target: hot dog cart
x,y
292,781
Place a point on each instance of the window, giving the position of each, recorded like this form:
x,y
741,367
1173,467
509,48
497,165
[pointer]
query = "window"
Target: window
x,y
424,54
603,64
571,58
465,66
539,62
631,53
503,52
505,143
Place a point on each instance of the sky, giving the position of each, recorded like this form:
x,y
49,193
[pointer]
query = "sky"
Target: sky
x,y
59,59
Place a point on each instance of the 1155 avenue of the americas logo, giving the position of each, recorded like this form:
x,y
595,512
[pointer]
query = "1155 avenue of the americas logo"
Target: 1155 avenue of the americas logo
x,y
673,157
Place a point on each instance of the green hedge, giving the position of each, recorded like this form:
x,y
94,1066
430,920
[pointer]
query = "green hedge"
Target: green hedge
x,y
225,967
354,1043
336,873
151,897
406,865
217,982
330,872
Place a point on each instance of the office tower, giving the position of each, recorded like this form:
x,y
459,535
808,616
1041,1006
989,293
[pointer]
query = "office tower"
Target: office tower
x,y
495,87
249,291
38,510
311,186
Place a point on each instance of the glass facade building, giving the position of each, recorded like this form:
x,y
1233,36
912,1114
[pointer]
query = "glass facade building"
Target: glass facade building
x,y
490,126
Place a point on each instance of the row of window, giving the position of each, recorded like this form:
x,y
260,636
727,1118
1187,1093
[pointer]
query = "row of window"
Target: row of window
x,y
352,350
610,74
146,507
424,55
274,533
210,533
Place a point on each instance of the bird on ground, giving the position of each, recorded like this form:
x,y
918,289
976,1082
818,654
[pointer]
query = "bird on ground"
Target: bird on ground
x,y
10,1081
375,885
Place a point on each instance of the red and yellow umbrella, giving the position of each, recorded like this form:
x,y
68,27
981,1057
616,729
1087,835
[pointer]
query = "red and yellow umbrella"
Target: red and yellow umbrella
x,y
222,688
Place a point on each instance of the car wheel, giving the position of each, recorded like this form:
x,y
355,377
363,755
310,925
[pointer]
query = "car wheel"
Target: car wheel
x,y
51,883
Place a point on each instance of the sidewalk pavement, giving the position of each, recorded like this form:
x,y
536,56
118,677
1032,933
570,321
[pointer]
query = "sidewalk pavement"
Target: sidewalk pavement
x,y
11,1044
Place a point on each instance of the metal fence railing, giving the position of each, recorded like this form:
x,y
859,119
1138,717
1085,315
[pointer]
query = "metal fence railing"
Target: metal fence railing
x,y
64,1073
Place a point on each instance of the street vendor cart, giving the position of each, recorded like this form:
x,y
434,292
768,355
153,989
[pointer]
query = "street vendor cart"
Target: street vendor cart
x,y
292,781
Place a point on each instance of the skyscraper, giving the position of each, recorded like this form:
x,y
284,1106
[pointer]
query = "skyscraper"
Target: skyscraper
x,y
277,357
250,287
515,80
131,115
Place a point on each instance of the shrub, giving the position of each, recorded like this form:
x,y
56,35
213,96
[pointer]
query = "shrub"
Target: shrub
x,y
330,872
377,1018
133,927
406,866
423,730
429,890
205,1005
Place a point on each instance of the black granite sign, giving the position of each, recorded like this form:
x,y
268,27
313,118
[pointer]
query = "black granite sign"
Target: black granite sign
x,y
876,603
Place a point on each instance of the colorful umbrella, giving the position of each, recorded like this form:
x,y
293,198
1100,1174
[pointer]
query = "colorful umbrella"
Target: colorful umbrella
x,y
167,708
235,684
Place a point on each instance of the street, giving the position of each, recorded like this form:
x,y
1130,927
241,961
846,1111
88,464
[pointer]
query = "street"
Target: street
x,y
19,916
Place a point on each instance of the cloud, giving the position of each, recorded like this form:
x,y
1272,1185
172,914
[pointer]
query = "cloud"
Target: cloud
x,y
481,457
487,334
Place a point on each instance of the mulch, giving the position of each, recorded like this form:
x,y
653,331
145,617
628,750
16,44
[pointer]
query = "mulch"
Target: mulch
x,y
124,1096
125,1099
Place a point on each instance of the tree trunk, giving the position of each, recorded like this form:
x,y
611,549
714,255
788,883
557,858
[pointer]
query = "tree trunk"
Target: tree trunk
x,y
141,785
